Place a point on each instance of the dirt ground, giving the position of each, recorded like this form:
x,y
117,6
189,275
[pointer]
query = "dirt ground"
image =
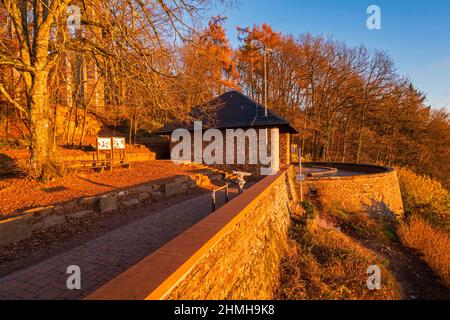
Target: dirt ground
x,y
20,194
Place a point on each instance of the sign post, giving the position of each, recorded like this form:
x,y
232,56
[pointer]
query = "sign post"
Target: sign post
x,y
103,145
118,143
300,176
112,146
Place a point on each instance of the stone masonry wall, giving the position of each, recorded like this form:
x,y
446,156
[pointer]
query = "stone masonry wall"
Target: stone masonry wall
x,y
8,166
284,153
373,193
244,263
285,149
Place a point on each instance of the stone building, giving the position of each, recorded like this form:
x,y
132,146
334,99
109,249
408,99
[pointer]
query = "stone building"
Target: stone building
x,y
240,120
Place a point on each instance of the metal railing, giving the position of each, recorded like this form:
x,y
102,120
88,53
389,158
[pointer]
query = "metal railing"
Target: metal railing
x,y
213,195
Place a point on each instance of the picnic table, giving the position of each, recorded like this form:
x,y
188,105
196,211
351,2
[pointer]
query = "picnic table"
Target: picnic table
x,y
114,152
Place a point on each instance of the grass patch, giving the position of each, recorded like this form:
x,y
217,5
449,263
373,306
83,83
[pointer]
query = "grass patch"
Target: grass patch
x,y
425,198
325,264
432,243
427,227
363,226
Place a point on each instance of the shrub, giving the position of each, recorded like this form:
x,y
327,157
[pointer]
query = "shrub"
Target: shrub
x,y
425,197
310,209
432,243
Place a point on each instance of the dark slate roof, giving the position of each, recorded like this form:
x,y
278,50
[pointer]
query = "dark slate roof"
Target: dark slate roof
x,y
231,110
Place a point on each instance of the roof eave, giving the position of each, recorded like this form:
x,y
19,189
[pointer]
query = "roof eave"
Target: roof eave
x,y
286,126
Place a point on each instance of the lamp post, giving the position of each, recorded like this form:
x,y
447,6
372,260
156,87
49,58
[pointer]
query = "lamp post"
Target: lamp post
x,y
301,174
300,177
265,79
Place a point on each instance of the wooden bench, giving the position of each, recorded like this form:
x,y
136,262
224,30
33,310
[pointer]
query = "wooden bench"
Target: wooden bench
x,y
100,164
111,153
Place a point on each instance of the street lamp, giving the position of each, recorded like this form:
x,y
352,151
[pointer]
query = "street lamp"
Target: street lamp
x,y
265,79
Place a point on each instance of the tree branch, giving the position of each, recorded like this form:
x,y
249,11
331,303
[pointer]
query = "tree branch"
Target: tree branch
x,y
11,100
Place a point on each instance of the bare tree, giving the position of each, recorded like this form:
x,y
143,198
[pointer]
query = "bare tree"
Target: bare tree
x,y
113,34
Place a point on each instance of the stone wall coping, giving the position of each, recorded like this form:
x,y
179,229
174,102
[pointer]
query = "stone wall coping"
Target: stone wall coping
x,y
382,171
328,170
132,157
154,277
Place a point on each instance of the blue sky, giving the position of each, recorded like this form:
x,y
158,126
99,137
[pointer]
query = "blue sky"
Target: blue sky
x,y
415,33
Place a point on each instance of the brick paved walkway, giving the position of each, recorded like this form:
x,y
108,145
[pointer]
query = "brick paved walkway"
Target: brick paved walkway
x,y
104,258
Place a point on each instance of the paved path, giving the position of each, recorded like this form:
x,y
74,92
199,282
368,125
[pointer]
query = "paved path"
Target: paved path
x,y
104,258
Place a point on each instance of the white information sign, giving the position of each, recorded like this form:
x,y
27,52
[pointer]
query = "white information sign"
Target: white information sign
x,y
119,143
104,144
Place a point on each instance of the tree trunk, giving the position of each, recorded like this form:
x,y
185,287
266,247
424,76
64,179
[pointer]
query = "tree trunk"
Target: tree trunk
x,y
69,119
75,126
130,131
55,128
344,144
83,125
360,137
135,128
7,126
40,145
